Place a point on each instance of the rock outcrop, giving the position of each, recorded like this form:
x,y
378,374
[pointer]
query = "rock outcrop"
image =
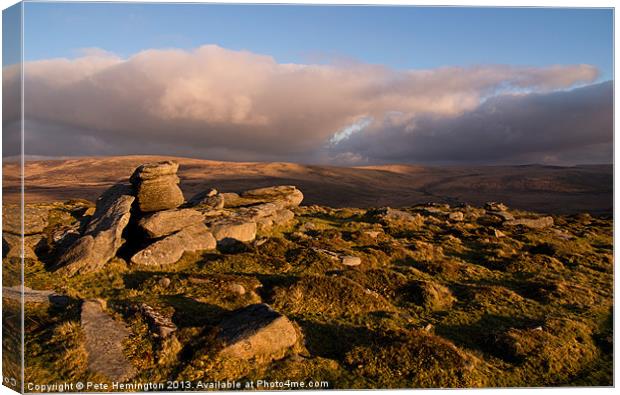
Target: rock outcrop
x,y
152,203
103,235
104,338
156,186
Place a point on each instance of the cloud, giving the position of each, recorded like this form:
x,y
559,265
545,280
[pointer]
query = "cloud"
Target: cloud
x,y
223,104
558,128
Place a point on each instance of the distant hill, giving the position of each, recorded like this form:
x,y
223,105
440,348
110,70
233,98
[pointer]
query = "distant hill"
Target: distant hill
x,y
540,188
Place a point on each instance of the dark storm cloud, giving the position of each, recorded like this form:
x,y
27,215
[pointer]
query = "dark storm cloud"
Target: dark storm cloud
x,y
560,127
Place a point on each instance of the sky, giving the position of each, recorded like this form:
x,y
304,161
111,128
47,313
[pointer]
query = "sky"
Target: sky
x,y
319,84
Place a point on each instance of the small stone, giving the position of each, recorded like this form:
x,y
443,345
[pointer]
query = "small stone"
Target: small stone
x,y
160,323
372,233
456,216
505,215
236,288
350,260
495,206
164,282
498,233
260,242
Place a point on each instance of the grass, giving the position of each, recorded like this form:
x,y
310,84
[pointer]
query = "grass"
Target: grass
x,y
433,304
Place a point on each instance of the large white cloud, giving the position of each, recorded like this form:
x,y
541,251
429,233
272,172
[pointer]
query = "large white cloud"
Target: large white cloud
x,y
238,105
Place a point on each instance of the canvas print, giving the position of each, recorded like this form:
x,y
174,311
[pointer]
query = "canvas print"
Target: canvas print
x,y
262,197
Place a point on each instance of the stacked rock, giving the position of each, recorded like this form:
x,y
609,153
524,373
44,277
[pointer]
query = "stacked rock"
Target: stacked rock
x,y
156,186
173,231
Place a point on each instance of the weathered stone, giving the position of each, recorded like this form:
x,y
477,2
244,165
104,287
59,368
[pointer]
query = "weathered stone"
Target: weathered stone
x,y
103,235
171,248
285,196
533,223
164,282
167,222
161,324
35,219
208,199
230,230
150,171
104,337
389,215
256,332
456,216
66,233
232,199
156,186
495,206
161,193
372,233
236,288
505,215
434,210
35,296
350,260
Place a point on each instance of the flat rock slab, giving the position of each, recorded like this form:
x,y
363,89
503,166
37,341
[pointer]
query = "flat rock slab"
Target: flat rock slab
x,y
35,219
257,332
34,296
167,222
171,248
104,338
533,223
230,230
285,196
